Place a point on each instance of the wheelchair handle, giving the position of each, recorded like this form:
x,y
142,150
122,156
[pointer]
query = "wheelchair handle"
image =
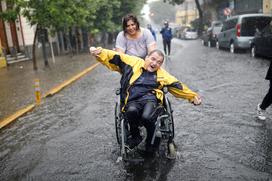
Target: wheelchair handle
x,y
118,91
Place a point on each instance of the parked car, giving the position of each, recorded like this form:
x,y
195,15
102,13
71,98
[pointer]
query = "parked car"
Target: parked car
x,y
189,34
261,45
237,31
210,36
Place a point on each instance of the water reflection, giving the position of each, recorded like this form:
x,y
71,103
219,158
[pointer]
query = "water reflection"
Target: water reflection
x,y
150,169
268,148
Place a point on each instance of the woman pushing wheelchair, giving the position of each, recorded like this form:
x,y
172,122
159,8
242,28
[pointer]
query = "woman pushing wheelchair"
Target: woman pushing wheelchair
x,y
142,84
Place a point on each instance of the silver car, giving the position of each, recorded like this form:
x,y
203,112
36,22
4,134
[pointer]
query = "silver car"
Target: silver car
x,y
238,31
189,34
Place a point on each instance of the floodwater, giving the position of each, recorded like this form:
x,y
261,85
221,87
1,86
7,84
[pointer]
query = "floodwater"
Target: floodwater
x,y
71,136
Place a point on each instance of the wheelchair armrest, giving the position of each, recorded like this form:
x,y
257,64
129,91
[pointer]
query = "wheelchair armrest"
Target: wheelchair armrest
x,y
165,90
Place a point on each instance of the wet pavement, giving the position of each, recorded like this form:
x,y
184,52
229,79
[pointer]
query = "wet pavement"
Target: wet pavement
x,y
17,80
71,136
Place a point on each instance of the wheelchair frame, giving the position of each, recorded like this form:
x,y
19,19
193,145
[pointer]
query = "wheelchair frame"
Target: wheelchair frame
x,y
164,130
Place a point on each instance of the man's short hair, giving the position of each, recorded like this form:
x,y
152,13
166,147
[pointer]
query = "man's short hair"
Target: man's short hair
x,y
159,52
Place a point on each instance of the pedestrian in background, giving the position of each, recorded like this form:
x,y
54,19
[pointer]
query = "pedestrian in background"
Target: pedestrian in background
x,y
267,100
134,40
152,31
166,32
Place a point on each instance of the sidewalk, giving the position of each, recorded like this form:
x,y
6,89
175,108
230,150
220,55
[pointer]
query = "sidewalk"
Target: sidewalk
x,y
17,80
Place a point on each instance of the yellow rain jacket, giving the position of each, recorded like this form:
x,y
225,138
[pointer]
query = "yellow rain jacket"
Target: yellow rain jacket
x,y
131,68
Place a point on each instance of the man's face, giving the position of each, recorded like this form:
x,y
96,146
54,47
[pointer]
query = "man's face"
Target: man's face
x,y
153,62
131,27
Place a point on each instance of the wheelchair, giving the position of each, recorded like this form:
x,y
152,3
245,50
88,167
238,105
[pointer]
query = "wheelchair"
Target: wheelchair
x,y
164,132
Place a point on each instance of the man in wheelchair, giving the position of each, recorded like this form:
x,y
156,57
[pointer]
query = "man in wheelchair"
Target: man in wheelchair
x,y
142,84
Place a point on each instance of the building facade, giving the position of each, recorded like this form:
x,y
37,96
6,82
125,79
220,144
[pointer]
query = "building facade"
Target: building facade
x,y
253,6
16,37
186,13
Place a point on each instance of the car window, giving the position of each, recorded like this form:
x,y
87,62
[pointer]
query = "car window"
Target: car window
x,y
225,26
191,30
251,24
233,23
217,24
229,24
268,28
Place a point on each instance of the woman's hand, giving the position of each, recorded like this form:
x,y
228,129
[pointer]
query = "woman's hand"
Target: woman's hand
x,y
197,100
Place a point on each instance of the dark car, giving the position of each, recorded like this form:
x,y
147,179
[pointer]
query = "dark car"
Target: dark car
x,y
210,36
261,44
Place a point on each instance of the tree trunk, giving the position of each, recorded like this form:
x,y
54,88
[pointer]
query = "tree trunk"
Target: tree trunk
x,y
61,34
200,12
43,35
34,50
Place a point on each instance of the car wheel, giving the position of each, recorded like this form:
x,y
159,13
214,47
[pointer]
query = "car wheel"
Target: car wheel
x,y
232,49
209,44
253,51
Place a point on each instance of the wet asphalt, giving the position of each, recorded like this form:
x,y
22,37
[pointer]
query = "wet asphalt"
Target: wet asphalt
x,y
71,136
17,80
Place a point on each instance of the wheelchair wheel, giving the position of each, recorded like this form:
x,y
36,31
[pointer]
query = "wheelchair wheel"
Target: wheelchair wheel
x,y
117,117
123,139
170,112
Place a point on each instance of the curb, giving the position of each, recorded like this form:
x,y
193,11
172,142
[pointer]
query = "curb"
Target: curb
x,y
4,122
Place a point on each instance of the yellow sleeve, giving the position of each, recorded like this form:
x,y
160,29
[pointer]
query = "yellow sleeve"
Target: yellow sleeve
x,y
117,61
175,87
184,93
105,56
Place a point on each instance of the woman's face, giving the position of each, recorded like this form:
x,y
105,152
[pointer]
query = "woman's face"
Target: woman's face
x,y
131,27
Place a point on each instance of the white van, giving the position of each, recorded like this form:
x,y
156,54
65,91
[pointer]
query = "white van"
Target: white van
x,y
237,31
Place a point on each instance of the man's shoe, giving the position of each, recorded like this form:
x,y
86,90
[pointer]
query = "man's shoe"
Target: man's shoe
x,y
150,151
260,113
133,142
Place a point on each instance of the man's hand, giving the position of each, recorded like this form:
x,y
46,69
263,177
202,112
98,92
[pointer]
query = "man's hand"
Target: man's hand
x,y
95,51
196,100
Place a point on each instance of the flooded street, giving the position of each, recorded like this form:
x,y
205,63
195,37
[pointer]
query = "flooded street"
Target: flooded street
x,y
71,136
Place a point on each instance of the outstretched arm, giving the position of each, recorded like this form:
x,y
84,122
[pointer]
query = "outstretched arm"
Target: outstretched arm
x,y
181,90
113,60
177,88
105,56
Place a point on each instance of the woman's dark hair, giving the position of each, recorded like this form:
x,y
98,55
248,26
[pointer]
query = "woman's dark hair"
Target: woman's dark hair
x,y
132,18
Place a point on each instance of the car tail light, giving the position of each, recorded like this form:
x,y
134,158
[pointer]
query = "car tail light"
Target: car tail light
x,y
238,30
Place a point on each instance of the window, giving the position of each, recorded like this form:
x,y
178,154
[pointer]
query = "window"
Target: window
x,y
251,24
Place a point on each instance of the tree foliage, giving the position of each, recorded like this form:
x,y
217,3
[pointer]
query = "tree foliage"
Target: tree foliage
x,y
96,15
125,8
174,2
65,15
